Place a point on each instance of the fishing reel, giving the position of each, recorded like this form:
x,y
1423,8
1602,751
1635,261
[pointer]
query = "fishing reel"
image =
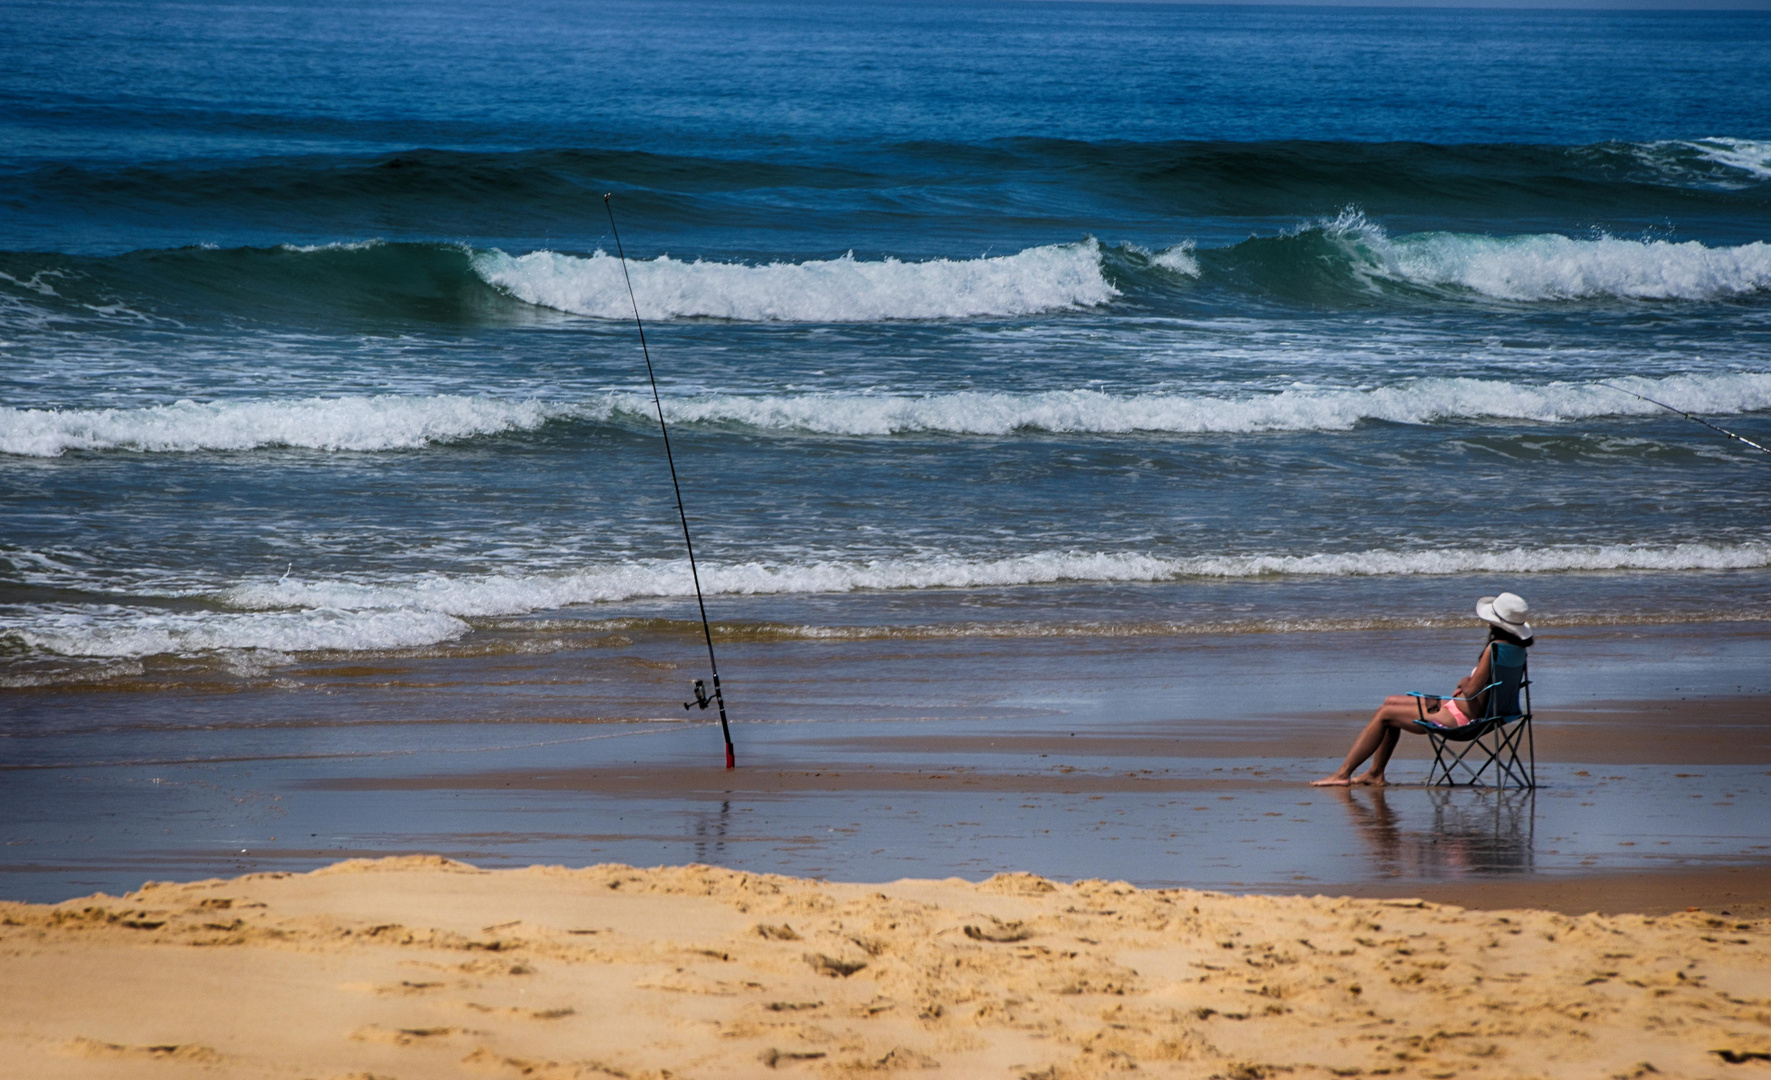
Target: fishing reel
x,y
701,697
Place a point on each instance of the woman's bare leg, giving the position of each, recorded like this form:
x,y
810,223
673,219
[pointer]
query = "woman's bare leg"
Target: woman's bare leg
x,y
1377,742
1381,758
1363,747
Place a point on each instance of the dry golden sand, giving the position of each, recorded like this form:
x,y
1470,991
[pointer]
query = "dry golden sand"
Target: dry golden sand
x,y
418,967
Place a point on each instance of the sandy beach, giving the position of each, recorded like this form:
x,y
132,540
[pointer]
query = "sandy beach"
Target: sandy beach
x,y
426,967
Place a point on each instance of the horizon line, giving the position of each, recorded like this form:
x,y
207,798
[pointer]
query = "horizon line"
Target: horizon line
x,y
1731,6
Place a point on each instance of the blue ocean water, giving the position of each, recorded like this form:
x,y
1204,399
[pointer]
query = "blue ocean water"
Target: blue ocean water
x,y
992,317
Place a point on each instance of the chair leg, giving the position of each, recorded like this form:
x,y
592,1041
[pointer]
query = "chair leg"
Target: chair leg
x,y
1447,760
1492,757
1499,750
1508,767
1505,775
1475,773
1441,769
1447,755
1433,769
1497,758
1516,768
1525,778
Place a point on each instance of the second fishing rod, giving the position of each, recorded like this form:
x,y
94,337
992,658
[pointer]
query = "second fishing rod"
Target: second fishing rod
x,y
701,698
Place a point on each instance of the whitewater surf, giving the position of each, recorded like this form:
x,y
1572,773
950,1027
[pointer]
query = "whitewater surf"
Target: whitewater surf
x,y
322,382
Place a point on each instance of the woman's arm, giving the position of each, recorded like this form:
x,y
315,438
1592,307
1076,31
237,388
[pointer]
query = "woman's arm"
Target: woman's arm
x,y
1478,677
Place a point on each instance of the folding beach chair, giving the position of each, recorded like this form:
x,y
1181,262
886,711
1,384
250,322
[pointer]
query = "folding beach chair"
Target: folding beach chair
x,y
1493,739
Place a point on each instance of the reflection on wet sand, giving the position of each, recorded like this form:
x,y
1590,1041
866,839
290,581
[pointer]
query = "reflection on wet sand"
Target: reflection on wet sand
x,y
1471,832
709,831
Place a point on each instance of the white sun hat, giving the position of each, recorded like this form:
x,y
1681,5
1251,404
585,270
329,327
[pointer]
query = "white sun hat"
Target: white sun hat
x,y
1507,611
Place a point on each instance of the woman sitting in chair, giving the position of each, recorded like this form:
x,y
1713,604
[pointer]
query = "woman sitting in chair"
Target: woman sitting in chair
x,y
1505,616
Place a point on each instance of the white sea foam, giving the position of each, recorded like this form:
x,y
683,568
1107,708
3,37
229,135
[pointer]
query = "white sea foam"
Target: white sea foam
x,y
1750,156
21,313
38,282
1718,162
290,615
386,422
488,595
395,423
1548,266
336,245
116,631
1179,258
1037,279
1298,409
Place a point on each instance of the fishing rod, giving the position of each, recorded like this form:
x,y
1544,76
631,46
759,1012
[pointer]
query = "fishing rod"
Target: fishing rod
x,y
701,697
1688,416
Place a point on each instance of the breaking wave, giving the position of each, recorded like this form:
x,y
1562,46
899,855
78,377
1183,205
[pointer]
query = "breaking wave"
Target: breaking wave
x,y
1179,258
1296,409
400,423
832,290
386,422
291,615
1750,157
116,631
1346,261
468,597
1348,256
1545,266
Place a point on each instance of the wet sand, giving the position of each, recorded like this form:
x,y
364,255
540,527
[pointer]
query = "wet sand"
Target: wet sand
x,y
1165,761
1695,731
1737,891
1692,732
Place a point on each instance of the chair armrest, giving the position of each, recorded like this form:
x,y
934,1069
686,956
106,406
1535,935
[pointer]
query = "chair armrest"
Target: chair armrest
x,y
1420,707
1456,697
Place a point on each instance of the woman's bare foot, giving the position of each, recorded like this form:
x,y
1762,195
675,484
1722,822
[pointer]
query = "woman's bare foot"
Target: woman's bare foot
x,y
1332,781
1371,780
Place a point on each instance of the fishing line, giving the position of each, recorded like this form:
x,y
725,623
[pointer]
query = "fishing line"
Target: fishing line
x,y
1688,416
701,698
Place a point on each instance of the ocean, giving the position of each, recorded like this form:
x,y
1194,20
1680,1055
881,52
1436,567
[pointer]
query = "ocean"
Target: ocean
x,y
972,320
